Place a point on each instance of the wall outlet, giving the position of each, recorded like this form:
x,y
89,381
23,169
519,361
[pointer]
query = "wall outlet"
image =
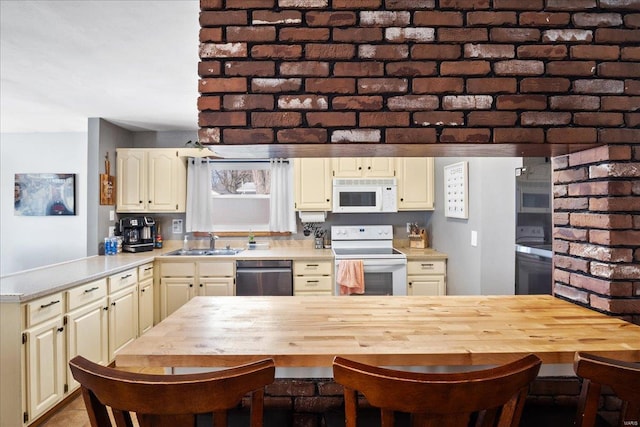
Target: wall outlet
x,y
176,226
474,238
408,227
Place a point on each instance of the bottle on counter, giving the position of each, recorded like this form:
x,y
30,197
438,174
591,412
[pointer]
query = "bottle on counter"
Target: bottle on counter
x,y
158,242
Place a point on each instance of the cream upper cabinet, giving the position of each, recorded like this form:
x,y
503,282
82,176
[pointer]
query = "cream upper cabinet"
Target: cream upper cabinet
x,y
150,180
415,183
364,167
313,184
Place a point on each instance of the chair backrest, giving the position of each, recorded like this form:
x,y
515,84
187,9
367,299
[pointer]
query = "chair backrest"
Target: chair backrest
x,y
487,397
169,400
622,377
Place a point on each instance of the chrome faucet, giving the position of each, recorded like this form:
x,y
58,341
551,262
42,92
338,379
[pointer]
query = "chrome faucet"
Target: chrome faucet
x,y
212,241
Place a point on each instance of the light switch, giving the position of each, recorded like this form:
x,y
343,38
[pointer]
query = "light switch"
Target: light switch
x,y
474,238
112,215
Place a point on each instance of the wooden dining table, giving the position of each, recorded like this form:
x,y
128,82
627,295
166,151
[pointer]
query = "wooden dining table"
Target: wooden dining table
x,y
381,330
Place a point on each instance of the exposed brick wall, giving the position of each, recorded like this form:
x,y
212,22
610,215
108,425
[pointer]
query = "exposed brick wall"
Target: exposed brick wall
x,y
307,400
597,229
419,71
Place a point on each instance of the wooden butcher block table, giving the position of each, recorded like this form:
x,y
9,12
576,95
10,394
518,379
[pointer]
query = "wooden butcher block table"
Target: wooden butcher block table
x,y
381,330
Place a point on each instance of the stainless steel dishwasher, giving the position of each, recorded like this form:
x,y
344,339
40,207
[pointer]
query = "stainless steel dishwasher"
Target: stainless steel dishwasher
x,y
264,277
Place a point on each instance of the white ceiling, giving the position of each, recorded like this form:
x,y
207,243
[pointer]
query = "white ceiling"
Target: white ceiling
x,y
132,62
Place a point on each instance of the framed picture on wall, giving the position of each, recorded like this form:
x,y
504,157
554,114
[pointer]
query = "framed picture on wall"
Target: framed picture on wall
x,y
45,194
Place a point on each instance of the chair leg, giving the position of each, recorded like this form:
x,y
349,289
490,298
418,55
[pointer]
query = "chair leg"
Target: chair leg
x,y
257,408
350,407
588,404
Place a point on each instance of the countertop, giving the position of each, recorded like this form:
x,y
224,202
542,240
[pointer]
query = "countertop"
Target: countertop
x,y
402,330
31,284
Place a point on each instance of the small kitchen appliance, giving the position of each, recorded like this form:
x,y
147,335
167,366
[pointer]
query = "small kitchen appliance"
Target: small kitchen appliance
x,y
362,195
138,233
385,268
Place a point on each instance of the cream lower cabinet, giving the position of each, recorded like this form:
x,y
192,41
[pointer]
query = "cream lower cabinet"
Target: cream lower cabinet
x,y
145,298
123,310
313,185
415,183
87,325
177,285
427,277
44,374
312,278
181,281
216,278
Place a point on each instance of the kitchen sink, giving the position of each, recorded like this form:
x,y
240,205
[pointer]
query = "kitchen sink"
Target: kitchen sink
x,y
205,252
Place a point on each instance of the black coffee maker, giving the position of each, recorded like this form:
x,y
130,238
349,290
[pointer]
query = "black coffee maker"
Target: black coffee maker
x,y
138,233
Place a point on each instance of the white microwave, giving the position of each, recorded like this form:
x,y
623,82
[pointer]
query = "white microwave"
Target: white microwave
x,y
364,195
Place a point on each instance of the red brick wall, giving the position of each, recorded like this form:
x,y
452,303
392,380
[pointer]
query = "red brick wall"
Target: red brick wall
x,y
597,229
419,71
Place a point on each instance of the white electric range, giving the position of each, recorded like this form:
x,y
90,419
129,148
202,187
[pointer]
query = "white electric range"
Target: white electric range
x,y
385,268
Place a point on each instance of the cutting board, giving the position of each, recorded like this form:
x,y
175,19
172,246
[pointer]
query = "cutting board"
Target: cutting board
x,y
107,184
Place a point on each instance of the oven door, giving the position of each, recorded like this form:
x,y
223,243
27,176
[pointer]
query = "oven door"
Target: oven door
x,y
533,274
381,276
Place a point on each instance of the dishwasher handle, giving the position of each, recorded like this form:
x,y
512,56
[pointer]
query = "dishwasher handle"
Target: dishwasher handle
x,y
262,270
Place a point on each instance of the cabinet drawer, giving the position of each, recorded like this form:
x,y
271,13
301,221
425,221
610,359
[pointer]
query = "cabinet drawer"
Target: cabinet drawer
x,y
316,268
84,294
123,280
43,309
216,269
426,267
145,271
178,269
312,283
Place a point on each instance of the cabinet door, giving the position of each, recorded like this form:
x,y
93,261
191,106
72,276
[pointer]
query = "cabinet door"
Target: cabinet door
x,y
145,306
87,335
313,184
131,181
415,183
379,167
123,319
426,285
216,286
45,366
174,293
163,180
347,167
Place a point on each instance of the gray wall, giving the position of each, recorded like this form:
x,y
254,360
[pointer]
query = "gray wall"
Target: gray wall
x,y
103,137
489,267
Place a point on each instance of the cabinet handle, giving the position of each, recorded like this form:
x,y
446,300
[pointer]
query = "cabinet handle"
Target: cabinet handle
x,y
191,285
313,265
201,285
50,304
113,303
60,329
401,199
369,167
125,277
328,200
86,291
148,268
142,290
410,284
430,265
106,308
140,201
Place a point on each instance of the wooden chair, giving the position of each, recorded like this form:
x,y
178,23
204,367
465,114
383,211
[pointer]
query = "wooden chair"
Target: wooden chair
x,y
488,397
169,400
622,377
